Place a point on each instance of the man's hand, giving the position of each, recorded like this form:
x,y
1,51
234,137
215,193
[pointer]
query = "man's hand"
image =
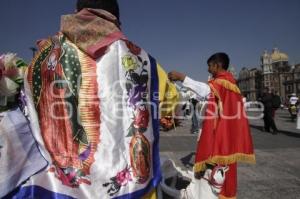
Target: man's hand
x,y
176,76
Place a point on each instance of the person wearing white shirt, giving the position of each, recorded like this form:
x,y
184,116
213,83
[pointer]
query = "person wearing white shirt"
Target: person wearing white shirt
x,y
225,137
293,99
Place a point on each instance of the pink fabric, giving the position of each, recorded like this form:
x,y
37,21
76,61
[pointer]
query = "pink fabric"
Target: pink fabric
x,y
99,49
92,30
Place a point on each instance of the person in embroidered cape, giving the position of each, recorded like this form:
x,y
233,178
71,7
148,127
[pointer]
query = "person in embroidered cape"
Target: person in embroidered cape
x,y
225,138
93,97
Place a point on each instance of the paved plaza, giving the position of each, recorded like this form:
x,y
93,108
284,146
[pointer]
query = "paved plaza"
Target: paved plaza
x,y
276,175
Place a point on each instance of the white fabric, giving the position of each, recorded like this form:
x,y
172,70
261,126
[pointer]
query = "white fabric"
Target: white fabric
x,y
116,117
201,89
19,155
197,189
8,87
293,100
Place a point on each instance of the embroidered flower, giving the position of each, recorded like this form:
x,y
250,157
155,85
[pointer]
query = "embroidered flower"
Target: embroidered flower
x,y
134,49
142,119
70,177
129,62
123,177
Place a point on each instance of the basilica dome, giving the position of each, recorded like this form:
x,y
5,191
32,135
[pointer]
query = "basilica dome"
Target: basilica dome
x,y
278,56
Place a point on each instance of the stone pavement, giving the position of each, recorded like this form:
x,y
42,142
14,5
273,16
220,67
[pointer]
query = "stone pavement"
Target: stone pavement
x,y
276,175
282,119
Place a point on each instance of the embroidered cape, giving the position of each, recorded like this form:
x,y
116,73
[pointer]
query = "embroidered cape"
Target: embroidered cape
x,y
93,100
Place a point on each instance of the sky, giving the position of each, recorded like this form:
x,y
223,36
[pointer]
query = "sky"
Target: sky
x,y
180,34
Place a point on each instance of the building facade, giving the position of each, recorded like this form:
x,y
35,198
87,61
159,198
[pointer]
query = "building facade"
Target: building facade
x,y
243,82
275,73
275,70
292,81
250,83
255,82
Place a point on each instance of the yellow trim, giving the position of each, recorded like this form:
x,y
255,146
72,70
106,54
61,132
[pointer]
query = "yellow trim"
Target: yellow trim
x,y
88,100
225,160
224,197
228,85
150,195
216,93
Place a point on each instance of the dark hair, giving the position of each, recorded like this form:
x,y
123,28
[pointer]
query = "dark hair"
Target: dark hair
x,y
108,5
220,58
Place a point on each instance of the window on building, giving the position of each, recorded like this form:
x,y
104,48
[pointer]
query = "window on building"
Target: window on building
x,y
267,78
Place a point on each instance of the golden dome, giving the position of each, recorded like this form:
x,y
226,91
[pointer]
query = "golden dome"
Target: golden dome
x,y
278,56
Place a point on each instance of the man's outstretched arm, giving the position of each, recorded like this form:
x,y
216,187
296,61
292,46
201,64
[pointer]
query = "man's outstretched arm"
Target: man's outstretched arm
x,y
200,88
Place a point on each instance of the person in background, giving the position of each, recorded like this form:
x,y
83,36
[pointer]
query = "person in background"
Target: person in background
x,y
269,123
293,106
225,137
195,119
276,103
294,100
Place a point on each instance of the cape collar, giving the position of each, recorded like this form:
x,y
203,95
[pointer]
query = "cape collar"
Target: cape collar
x,y
225,75
92,30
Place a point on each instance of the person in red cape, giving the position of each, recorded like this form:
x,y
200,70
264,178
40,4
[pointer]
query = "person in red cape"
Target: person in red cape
x,y
225,136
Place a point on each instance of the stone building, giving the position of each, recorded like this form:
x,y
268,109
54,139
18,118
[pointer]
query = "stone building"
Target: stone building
x,y
255,81
243,82
250,83
275,71
292,81
275,74
296,76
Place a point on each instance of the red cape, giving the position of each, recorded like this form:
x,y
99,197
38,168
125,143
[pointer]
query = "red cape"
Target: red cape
x,y
225,137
